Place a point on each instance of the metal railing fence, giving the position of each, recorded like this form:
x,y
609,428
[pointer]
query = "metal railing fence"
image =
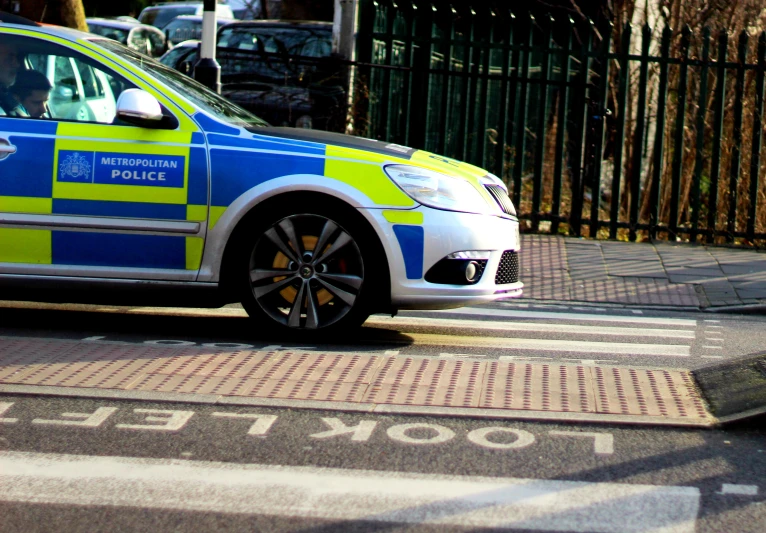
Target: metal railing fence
x,y
597,131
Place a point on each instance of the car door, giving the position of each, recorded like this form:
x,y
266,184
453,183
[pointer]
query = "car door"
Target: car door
x,y
84,195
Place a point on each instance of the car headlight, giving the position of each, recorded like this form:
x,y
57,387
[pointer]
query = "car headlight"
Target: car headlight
x,y
438,190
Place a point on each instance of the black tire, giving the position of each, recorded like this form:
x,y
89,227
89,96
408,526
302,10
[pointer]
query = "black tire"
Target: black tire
x,y
305,291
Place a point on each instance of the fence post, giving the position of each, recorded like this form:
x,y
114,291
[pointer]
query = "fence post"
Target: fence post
x,y
599,120
700,127
537,189
619,140
421,65
638,134
678,141
503,121
718,110
736,149
446,81
755,157
518,166
561,128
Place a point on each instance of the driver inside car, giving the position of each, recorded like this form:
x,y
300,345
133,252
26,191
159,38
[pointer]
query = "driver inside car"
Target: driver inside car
x,y
31,90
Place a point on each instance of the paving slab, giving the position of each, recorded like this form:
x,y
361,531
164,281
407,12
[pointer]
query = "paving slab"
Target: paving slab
x,y
684,274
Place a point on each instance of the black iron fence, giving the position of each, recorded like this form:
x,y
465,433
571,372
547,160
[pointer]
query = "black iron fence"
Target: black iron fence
x,y
608,133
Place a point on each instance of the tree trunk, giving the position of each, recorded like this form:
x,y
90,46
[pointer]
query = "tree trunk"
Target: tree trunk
x,y
68,13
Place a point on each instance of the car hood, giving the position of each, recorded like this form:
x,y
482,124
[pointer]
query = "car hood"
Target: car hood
x,y
415,156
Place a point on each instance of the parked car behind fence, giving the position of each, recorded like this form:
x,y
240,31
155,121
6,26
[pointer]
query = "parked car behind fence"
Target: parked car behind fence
x,y
140,37
280,70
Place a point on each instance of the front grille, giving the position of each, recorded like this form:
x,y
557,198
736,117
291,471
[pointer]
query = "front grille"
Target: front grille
x,y
502,199
508,271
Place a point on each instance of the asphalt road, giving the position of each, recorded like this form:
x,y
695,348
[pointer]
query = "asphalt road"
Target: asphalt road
x,y
676,480
95,465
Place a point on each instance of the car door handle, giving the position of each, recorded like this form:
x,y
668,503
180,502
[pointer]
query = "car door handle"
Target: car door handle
x,y
6,148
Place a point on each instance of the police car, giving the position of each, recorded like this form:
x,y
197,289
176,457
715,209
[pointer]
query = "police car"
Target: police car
x,y
180,193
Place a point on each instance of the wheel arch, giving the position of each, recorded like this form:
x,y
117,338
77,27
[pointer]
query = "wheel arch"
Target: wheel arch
x,y
259,211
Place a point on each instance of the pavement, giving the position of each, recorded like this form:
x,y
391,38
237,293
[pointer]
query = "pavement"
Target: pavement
x,y
662,274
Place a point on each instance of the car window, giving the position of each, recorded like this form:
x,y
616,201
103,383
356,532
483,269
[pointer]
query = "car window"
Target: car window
x,y
183,30
110,33
82,89
199,95
159,18
292,41
176,55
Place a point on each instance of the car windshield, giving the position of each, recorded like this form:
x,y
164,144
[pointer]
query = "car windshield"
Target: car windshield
x,y
199,95
110,33
160,17
292,41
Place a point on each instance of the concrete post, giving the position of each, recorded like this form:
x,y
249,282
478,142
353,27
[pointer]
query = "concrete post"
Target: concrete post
x,y
207,70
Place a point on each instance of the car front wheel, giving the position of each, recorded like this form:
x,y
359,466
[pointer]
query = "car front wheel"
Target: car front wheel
x,y
309,272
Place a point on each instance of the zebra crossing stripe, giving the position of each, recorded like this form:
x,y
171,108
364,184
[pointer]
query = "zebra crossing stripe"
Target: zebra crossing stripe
x,y
509,313
511,326
346,494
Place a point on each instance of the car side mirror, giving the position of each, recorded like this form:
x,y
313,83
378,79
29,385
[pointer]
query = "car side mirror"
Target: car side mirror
x,y
138,107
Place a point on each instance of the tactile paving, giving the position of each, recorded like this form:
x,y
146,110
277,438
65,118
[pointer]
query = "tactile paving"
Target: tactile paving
x,y
356,378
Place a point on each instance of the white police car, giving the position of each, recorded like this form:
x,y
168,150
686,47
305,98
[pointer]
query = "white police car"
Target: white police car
x,y
182,195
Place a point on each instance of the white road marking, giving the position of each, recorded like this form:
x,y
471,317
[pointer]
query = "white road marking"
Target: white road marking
x,y
742,490
536,327
603,443
712,321
345,494
522,358
168,420
359,433
522,438
713,347
507,313
260,427
552,345
86,420
4,406
399,432
96,338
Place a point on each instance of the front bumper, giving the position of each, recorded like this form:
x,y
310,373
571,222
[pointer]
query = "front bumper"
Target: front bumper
x,y
446,232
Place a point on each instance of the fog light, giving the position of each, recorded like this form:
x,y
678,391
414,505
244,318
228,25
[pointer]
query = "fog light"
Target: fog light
x,y
456,271
470,271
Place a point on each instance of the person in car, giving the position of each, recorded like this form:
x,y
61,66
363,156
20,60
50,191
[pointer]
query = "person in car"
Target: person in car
x,y
9,67
31,90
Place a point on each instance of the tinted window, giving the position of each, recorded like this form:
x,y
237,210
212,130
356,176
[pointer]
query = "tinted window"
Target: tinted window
x,y
292,41
159,17
195,92
182,30
110,33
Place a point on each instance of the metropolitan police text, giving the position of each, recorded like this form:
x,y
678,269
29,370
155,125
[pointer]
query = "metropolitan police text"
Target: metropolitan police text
x,y
127,174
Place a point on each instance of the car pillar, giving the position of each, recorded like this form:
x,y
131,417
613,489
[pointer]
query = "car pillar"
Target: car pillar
x,y
207,70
